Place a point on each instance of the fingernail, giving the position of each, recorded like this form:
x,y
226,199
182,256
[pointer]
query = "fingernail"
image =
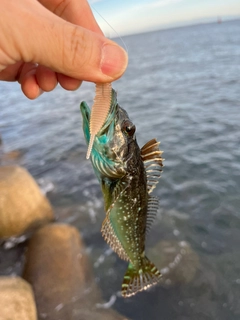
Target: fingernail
x,y
114,60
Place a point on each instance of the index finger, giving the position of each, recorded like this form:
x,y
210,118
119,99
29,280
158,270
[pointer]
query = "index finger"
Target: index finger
x,y
75,11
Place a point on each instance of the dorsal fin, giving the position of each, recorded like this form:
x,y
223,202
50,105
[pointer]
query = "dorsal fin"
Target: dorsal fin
x,y
151,156
151,212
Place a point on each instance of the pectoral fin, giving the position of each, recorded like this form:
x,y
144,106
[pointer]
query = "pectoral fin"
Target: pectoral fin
x,y
151,212
151,156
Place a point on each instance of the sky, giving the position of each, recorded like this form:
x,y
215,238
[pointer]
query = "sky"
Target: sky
x,y
136,16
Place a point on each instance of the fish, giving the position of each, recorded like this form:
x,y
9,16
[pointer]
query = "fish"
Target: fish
x,y
127,175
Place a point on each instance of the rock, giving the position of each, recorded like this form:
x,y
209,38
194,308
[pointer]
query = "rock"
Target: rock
x,y
62,279
22,205
58,269
16,300
177,262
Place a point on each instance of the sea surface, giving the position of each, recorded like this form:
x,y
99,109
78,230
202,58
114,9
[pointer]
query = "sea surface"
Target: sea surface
x,y
182,86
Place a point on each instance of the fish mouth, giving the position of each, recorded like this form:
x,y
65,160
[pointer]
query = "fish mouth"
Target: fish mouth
x,y
103,156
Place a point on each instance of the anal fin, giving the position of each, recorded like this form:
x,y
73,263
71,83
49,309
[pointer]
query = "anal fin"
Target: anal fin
x,y
107,230
111,238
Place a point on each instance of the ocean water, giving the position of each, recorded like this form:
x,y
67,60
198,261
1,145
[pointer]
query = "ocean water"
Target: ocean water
x,y
182,87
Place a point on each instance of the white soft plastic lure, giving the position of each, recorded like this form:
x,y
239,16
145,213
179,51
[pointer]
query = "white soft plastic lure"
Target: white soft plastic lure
x,y
99,112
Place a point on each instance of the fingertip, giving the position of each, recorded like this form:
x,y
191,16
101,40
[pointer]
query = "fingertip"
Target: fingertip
x,y
68,83
46,78
114,60
30,86
27,79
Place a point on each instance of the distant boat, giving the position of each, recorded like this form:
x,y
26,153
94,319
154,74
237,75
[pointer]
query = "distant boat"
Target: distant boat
x,y
219,20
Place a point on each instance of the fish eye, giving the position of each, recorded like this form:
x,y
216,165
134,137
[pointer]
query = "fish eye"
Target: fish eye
x,y
128,128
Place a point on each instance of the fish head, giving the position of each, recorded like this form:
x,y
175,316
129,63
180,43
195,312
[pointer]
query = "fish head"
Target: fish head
x,y
115,142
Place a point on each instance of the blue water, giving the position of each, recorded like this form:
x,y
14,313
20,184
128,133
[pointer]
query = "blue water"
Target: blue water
x,y
182,86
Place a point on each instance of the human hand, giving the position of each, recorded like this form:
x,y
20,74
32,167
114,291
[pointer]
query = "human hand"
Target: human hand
x,y
49,41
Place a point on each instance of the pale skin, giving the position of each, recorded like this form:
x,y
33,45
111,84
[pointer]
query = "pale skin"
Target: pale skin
x,y
46,42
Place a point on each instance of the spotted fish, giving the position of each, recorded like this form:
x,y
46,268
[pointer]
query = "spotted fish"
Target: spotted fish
x,y
127,175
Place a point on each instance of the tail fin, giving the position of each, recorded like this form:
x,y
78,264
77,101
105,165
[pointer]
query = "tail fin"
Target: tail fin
x,y
138,280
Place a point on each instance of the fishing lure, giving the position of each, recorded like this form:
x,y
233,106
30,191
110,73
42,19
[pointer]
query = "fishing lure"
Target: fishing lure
x,y
127,175
100,111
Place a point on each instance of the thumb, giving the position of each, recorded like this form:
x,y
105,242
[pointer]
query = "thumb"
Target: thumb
x,y
79,53
45,38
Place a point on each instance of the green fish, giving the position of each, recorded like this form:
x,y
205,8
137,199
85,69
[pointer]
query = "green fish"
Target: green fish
x,y
127,175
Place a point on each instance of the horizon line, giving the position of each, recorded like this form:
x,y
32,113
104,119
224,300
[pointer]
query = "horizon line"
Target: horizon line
x,y
181,25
